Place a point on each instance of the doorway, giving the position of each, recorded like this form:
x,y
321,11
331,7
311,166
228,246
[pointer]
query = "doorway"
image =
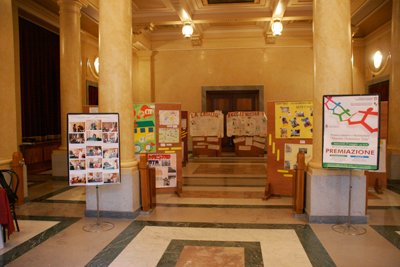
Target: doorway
x,y
229,101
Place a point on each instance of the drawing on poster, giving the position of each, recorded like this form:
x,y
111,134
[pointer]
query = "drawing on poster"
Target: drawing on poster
x,y
169,117
168,135
250,123
145,128
207,124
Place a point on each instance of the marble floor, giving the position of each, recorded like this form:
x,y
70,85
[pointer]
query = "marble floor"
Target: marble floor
x,y
221,220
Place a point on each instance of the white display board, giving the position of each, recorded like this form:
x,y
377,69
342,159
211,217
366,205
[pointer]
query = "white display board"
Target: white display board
x,y
351,132
93,149
207,124
246,123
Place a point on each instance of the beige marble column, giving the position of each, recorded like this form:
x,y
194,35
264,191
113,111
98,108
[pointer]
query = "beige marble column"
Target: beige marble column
x,y
332,60
394,98
70,62
115,75
8,130
144,93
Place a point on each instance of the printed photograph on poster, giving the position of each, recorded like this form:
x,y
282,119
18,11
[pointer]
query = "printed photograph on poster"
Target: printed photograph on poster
x,y
283,132
351,131
94,163
306,122
284,120
110,127
284,109
110,164
77,164
95,177
95,151
111,177
110,153
294,122
93,136
77,127
294,133
78,179
77,153
93,125
299,113
77,138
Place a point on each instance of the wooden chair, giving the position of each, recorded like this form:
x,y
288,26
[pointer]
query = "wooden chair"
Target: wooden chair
x,y
11,194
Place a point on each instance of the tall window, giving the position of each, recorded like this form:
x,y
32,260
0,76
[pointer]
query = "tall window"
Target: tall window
x,y
40,82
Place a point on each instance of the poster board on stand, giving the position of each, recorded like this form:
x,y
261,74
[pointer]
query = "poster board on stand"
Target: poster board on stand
x,y
207,130
158,133
280,177
249,129
351,132
93,149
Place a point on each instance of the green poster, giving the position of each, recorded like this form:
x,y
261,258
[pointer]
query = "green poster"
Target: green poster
x,y
145,128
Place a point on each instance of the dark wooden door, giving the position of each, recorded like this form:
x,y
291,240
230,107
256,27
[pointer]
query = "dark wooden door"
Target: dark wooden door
x,y
229,101
380,88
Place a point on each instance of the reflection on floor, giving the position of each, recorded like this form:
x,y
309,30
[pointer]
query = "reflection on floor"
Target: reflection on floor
x,y
220,221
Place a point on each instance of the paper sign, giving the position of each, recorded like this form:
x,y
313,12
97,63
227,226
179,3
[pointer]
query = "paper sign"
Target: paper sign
x,y
212,139
238,140
262,146
213,147
198,138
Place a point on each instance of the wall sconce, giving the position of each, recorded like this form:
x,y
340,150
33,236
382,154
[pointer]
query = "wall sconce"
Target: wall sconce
x,y
187,30
377,59
95,69
277,27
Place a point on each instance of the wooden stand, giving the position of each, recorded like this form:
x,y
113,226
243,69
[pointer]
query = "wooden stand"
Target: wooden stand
x,y
298,185
201,147
254,150
147,184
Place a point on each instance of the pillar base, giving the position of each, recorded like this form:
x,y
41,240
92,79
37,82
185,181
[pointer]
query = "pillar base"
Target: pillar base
x,y
59,163
117,199
393,171
327,196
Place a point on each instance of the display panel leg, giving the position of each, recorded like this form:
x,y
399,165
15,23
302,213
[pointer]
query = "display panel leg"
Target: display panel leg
x,y
348,228
98,226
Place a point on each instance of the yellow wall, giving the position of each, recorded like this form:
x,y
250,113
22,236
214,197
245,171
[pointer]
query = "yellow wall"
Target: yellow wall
x,y
285,73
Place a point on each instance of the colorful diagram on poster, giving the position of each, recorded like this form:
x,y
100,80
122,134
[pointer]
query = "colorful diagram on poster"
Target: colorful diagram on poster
x,y
169,118
351,132
166,169
93,146
145,128
294,119
246,123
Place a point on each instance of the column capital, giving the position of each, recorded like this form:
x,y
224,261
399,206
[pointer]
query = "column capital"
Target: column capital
x,y
144,54
72,5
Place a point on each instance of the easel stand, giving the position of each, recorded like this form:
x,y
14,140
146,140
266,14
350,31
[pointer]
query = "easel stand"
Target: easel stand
x,y
348,228
98,226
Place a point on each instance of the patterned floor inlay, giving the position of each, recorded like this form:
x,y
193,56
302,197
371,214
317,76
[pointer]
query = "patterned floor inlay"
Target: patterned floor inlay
x,y
144,243
211,253
390,232
230,169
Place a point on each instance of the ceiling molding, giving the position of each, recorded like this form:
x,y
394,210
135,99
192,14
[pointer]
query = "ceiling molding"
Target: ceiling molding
x,y
378,33
39,11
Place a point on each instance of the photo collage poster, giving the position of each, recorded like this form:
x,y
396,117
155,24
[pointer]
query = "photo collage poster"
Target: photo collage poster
x,y
351,132
294,119
93,149
145,128
166,169
246,123
291,151
207,124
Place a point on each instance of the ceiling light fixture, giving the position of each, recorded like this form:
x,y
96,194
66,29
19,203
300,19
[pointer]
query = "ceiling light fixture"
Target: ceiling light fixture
x,y
277,27
187,30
